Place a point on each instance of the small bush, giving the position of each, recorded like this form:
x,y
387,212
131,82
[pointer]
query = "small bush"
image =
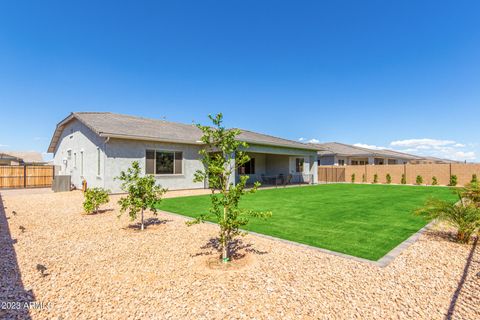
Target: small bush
x,y
94,198
434,181
364,179
388,177
474,178
453,180
375,178
404,179
353,177
419,180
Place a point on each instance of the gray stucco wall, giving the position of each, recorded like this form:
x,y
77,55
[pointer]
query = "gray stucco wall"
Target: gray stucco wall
x,y
79,139
121,154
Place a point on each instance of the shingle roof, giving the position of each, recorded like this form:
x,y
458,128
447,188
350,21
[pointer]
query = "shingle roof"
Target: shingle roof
x,y
108,124
26,156
336,148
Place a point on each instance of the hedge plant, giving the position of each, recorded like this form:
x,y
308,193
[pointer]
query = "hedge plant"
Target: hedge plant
x,y
419,180
388,177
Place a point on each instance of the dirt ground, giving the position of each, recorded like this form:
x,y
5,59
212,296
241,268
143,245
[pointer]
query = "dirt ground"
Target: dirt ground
x,y
76,266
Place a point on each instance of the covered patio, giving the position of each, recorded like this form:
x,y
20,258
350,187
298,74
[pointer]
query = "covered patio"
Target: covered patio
x,y
272,168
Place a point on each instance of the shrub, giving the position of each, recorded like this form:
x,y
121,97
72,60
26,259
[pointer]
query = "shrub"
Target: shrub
x,y
419,180
464,217
404,179
434,181
94,198
388,177
353,177
142,192
375,178
474,178
364,179
453,181
471,193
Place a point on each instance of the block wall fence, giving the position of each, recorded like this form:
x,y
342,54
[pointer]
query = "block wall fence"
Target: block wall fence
x,y
442,172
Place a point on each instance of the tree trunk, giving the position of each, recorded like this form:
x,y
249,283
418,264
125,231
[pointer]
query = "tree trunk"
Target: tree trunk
x,y
142,220
225,240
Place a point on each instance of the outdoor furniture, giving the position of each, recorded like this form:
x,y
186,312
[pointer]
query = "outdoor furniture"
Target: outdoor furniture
x,y
287,180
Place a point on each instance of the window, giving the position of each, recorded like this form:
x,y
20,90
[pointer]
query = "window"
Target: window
x,y
299,164
98,161
69,154
247,168
75,160
163,162
341,162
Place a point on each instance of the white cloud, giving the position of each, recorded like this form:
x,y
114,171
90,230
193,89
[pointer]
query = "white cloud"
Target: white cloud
x,y
369,146
421,142
302,139
447,149
3,145
39,138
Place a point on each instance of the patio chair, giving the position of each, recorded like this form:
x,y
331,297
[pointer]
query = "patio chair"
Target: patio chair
x,y
287,180
264,179
279,179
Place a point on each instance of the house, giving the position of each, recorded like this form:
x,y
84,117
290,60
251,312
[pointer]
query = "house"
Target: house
x,y
97,146
335,153
15,158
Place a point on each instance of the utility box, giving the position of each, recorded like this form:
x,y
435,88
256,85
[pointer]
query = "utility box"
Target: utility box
x,y
61,183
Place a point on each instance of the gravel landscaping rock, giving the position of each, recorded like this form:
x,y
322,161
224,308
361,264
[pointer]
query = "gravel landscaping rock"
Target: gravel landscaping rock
x,y
100,267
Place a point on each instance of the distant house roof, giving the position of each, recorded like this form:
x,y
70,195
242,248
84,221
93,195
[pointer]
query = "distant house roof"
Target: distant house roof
x,y
342,149
23,156
113,125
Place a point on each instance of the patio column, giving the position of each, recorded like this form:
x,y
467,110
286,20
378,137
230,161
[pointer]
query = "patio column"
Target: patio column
x,y
314,169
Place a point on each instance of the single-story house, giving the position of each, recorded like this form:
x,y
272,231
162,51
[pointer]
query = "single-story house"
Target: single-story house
x,y
335,153
15,158
97,146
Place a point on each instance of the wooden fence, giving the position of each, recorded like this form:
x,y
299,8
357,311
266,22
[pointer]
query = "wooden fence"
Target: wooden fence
x,y
366,173
26,176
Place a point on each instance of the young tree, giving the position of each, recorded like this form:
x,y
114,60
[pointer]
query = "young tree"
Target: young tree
x,y
143,192
353,177
434,181
222,155
375,178
404,179
94,198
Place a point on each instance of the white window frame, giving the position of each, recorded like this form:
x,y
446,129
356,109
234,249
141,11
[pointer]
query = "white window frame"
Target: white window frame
x,y
155,162
98,162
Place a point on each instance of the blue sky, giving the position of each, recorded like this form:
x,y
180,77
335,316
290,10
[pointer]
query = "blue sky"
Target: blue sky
x,y
396,74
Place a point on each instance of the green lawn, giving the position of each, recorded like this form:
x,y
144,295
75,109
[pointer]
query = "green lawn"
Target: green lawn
x,y
366,221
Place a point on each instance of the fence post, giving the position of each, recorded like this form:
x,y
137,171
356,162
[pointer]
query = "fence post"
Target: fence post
x,y
24,175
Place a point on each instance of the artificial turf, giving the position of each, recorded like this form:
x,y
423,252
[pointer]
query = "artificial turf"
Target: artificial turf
x,y
366,221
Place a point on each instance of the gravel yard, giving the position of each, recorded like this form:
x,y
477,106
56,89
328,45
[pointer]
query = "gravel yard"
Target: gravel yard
x,y
97,267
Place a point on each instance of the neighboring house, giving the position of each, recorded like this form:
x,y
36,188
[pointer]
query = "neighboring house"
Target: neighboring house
x,y
434,160
15,158
97,146
335,153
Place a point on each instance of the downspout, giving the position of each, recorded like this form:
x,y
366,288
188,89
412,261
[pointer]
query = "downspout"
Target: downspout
x,y
107,139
